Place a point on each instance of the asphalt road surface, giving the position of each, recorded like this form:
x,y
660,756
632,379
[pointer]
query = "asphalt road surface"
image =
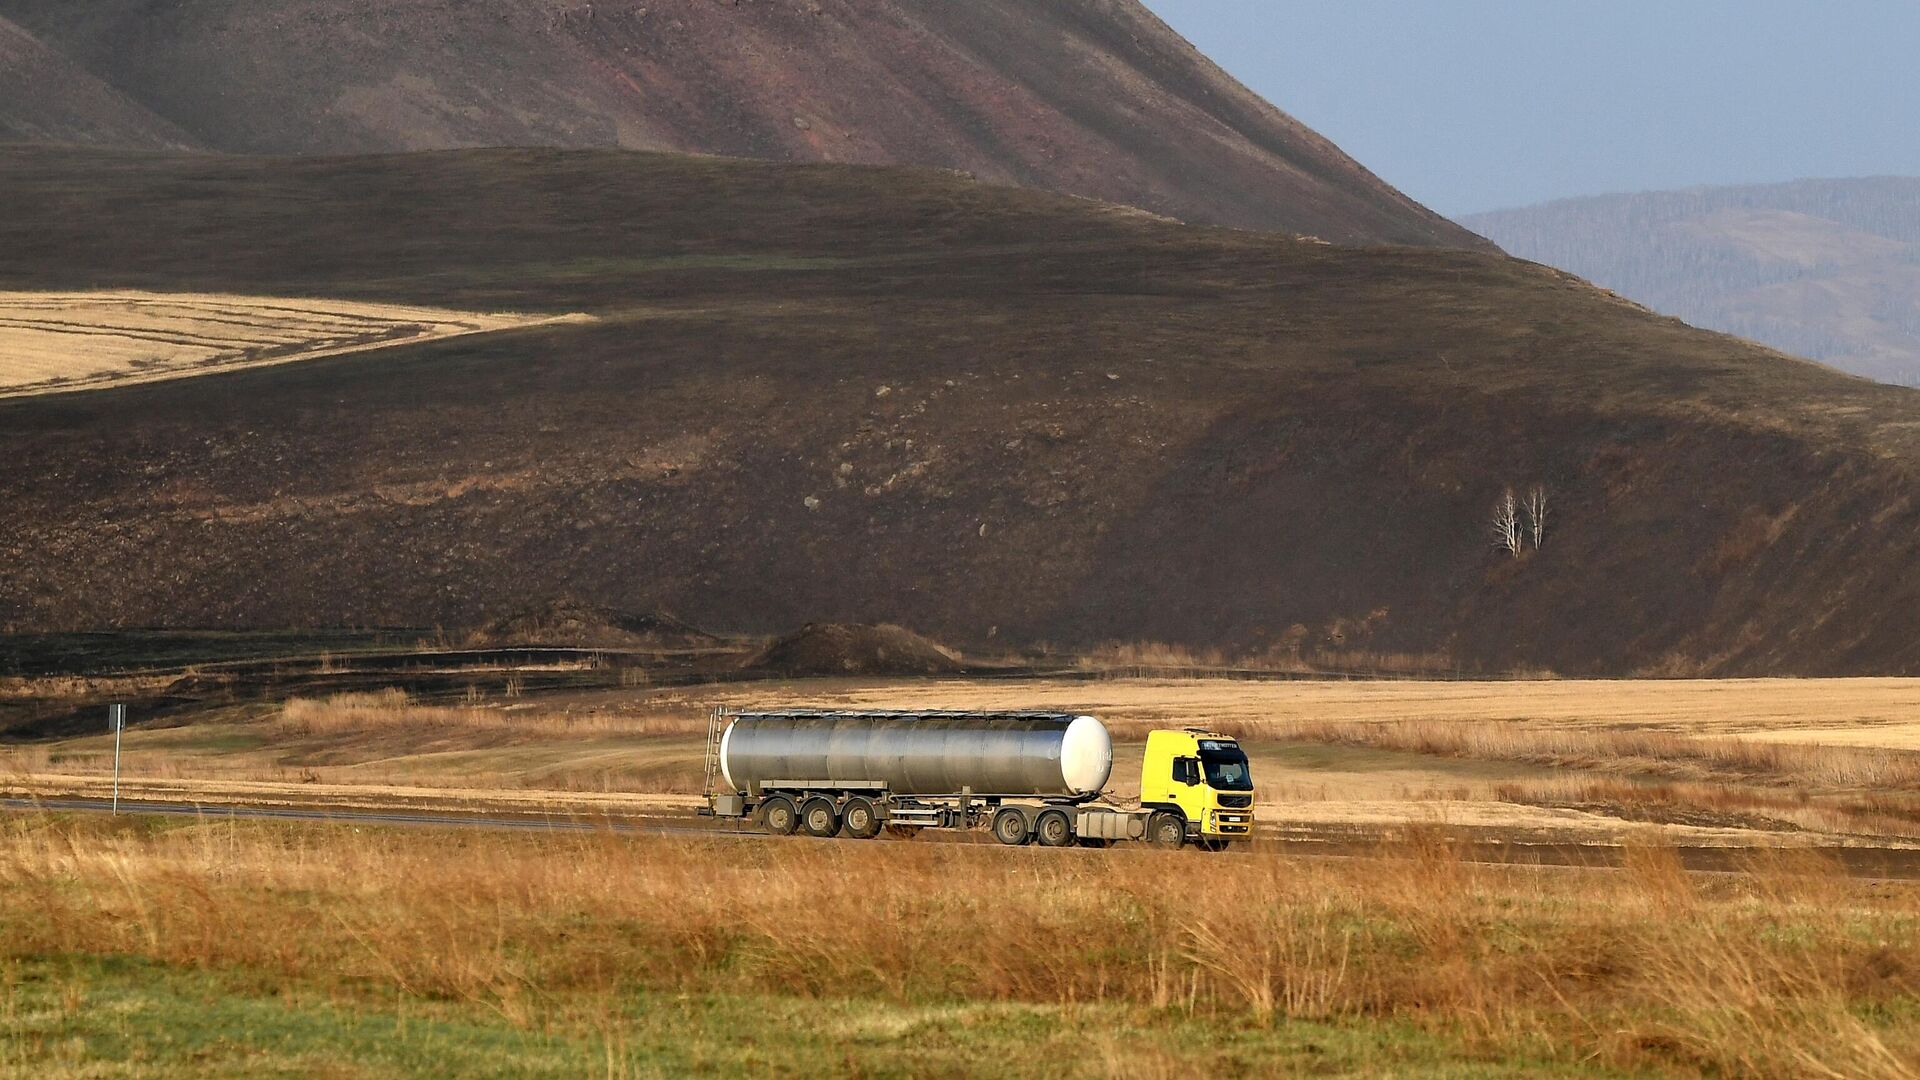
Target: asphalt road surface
x,y
1860,862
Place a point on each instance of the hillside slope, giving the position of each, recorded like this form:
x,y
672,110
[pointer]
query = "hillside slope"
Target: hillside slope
x,y
1088,97
1823,268
998,417
45,98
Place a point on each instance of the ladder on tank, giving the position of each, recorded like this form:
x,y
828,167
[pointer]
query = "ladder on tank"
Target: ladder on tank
x,y
716,725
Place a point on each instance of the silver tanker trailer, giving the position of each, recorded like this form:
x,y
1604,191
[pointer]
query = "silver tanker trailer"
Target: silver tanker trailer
x,y
1025,775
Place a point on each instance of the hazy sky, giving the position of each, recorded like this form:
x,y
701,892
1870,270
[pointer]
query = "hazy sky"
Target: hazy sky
x,y
1472,105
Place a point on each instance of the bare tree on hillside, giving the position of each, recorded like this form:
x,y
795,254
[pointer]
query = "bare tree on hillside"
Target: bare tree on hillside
x,y
1506,523
1536,508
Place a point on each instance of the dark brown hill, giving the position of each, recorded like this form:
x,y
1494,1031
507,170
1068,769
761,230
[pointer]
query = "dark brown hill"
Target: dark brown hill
x,y
865,395
1088,97
574,624
45,98
827,649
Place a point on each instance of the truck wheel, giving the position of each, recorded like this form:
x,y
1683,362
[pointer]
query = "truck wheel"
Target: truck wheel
x,y
778,817
1166,830
818,817
859,820
1010,827
1054,828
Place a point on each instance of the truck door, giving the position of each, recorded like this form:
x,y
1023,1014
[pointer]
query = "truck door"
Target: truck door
x,y
1189,788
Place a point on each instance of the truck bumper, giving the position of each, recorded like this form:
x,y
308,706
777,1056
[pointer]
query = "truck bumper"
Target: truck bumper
x,y
1229,822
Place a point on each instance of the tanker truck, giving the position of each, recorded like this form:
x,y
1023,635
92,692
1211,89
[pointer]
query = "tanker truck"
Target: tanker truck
x,y
1026,776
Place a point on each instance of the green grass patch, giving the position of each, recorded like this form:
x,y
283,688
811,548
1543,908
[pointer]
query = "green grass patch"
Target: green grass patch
x,y
114,1017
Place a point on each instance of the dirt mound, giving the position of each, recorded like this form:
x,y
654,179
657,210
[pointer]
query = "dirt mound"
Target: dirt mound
x,y
1089,97
573,624
855,649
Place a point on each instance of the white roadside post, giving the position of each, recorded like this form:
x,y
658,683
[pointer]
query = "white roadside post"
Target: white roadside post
x,y
117,721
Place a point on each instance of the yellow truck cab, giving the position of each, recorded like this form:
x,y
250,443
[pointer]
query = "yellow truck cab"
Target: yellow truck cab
x,y
1198,782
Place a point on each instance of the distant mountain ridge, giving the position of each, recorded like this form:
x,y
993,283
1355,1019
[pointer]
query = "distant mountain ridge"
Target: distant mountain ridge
x,y
1827,269
1086,97
46,98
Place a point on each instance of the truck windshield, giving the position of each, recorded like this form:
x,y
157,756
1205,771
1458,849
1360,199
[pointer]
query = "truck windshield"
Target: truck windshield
x,y
1227,770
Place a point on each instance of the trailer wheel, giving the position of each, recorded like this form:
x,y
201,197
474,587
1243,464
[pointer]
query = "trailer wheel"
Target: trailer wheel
x,y
1054,828
778,817
1010,827
859,820
1166,830
818,816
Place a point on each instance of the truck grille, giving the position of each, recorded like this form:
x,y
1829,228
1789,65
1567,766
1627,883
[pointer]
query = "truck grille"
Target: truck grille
x,y
1236,800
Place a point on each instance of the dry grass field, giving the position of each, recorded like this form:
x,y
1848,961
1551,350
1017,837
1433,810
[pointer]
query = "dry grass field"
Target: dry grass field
x,y
276,949
1709,763
54,342
186,948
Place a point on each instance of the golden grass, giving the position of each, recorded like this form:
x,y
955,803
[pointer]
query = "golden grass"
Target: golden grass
x,y
55,342
1785,707
1880,814
483,749
1158,659
1730,751
1136,659
1371,662
1883,735
1482,755
393,710
1643,752
1788,971
102,687
385,737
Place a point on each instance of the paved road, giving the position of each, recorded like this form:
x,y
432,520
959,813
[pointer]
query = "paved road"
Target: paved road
x,y
1901,864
